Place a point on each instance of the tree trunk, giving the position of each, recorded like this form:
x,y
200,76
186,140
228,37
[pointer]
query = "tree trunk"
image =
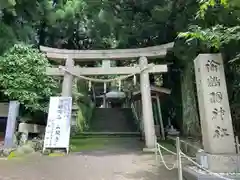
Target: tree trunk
x,y
191,124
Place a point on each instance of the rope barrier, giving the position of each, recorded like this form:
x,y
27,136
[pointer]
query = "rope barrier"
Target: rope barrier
x,y
120,78
186,143
166,149
158,150
198,165
163,161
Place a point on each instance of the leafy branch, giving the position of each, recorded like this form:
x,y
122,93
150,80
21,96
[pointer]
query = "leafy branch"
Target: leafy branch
x,y
23,77
206,4
213,37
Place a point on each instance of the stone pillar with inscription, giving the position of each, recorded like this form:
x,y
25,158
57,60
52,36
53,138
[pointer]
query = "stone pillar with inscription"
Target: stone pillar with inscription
x,y
216,123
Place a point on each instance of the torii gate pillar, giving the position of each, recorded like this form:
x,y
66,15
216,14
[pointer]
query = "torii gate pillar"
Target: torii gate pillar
x,y
68,79
147,111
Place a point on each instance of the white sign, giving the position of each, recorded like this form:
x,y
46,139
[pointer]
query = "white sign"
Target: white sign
x,y
57,131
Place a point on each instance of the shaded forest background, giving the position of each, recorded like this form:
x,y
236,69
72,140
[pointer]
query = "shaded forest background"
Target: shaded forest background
x,y
204,26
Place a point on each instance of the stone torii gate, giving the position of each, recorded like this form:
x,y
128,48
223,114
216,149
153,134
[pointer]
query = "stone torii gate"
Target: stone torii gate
x,y
73,56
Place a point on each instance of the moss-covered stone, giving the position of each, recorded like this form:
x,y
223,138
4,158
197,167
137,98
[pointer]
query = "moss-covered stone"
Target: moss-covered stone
x,y
56,154
7,151
23,150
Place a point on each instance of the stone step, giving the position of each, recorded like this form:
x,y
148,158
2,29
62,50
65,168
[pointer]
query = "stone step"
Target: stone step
x,y
108,135
113,120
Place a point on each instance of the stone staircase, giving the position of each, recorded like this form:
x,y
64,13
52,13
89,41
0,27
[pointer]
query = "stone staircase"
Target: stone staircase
x,y
113,121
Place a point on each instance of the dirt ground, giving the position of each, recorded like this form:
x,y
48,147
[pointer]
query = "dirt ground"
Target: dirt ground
x,y
123,163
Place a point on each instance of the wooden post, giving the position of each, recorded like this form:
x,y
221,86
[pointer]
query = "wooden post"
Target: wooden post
x,y
104,101
147,105
68,79
237,144
141,117
94,95
180,177
137,109
155,117
160,117
186,147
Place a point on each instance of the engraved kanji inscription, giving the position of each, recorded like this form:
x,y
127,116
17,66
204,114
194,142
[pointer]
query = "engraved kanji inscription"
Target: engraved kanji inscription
x,y
213,81
212,66
216,97
218,113
220,132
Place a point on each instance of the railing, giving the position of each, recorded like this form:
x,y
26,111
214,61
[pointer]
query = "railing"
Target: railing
x,y
187,146
178,163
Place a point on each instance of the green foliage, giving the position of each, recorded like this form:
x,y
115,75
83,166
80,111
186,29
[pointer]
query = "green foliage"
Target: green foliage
x,y
7,4
215,33
80,120
7,37
216,29
213,37
85,106
206,4
23,77
84,115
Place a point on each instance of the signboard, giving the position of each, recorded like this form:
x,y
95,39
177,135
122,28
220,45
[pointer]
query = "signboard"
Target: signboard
x,y
11,123
57,131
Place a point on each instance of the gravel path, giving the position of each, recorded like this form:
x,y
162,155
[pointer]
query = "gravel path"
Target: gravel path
x,y
114,164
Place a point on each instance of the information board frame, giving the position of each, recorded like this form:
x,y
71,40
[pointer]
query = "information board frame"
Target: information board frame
x,y
57,131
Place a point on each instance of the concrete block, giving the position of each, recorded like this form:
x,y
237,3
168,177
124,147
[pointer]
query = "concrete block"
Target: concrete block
x,y
194,173
149,150
31,128
219,163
